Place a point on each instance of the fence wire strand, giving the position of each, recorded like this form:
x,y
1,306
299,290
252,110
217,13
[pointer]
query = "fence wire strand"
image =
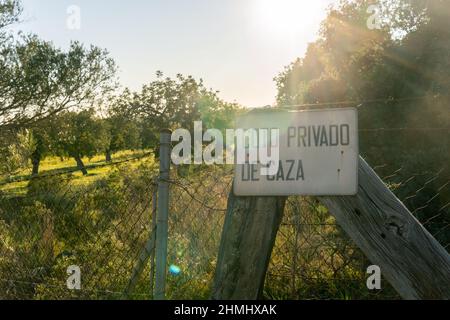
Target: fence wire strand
x,y
104,226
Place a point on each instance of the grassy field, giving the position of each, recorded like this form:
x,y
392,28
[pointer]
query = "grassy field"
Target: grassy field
x,y
96,166
102,222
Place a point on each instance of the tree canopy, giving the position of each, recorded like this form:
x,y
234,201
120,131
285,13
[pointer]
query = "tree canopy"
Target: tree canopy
x,y
396,74
39,80
79,135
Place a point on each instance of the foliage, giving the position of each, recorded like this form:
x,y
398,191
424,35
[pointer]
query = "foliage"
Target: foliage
x,y
123,130
57,224
16,153
176,103
103,223
39,80
10,11
396,75
79,134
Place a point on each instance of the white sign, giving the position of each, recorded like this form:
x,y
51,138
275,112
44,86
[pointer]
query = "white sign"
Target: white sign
x,y
318,153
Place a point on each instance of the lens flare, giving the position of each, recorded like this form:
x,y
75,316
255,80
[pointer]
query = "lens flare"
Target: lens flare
x,y
175,270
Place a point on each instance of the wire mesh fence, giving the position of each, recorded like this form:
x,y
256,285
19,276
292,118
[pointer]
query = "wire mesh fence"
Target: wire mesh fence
x,y
104,226
99,227
313,258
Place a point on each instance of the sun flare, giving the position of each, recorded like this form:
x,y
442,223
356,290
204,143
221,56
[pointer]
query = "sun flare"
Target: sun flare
x,y
286,17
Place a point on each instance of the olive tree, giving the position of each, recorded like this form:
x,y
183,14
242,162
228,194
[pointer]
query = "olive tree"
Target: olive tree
x,y
79,135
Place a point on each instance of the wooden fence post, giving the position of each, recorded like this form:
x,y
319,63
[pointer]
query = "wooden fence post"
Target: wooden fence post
x,y
415,264
248,236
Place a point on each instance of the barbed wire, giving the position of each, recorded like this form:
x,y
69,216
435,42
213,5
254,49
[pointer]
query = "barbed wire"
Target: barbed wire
x,y
405,129
361,103
310,249
105,226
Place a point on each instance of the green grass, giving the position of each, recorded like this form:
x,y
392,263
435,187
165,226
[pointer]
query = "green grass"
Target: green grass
x,y
96,166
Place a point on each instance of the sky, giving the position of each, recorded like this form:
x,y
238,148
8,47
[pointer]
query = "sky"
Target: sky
x,y
236,46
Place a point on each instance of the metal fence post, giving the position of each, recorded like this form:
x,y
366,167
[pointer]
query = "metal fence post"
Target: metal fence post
x,y
162,216
152,255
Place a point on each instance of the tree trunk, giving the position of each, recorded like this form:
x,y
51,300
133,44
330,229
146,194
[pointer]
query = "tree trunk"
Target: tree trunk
x,y
108,156
35,160
248,237
80,165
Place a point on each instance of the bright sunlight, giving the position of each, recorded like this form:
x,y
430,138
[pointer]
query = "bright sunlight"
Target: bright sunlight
x,y
281,18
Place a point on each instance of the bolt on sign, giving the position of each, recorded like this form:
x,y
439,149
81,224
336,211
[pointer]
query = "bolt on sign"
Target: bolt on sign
x,y
315,151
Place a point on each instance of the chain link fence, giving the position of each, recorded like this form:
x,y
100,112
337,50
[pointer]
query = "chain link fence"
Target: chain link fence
x,y
104,227
55,223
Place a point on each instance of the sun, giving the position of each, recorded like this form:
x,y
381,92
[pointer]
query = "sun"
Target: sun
x,y
286,17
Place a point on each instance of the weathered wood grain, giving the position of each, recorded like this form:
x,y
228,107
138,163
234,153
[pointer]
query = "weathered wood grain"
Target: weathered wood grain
x,y
415,264
248,236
